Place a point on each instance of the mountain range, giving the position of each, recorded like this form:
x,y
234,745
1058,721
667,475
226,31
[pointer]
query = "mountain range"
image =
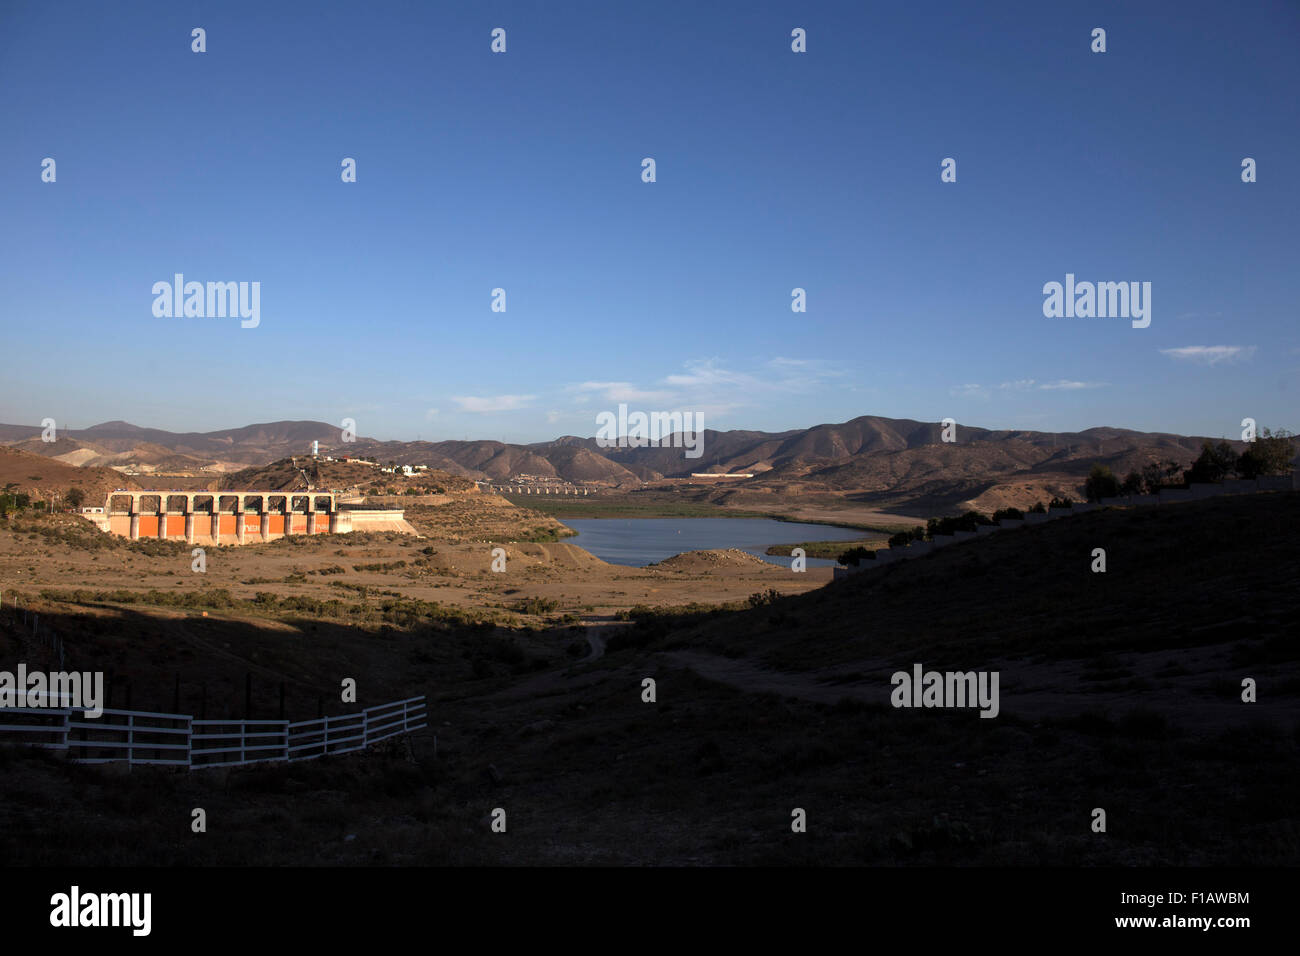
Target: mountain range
x,y
867,458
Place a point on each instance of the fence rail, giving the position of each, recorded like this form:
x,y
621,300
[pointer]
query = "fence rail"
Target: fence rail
x,y
178,740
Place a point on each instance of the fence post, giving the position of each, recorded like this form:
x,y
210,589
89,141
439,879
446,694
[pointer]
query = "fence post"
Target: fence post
x,y
189,743
130,739
243,731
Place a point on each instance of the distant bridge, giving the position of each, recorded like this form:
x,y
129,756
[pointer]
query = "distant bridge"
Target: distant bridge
x,y
534,489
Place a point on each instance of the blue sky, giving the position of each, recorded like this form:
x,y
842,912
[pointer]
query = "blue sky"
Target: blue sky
x,y
775,170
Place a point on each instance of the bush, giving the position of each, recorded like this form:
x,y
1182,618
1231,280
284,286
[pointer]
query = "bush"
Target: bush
x,y
854,555
1155,477
1008,514
969,521
1057,502
534,605
1101,483
1214,463
1038,509
1269,454
904,538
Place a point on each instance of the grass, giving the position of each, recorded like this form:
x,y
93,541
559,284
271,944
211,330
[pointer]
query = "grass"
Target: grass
x,y
828,549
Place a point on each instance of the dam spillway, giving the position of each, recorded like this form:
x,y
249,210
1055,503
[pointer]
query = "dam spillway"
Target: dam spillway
x,y
237,517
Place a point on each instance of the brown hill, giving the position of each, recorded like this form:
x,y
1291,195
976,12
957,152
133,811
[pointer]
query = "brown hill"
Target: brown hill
x,y
888,462
35,474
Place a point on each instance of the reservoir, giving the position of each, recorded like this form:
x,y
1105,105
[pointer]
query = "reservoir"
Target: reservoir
x,y
642,541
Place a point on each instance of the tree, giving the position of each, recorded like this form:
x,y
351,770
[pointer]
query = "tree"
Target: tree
x,y
1269,454
1156,476
1101,483
854,555
1214,463
75,497
1132,484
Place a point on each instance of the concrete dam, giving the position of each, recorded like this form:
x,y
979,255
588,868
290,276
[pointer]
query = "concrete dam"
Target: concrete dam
x,y
237,517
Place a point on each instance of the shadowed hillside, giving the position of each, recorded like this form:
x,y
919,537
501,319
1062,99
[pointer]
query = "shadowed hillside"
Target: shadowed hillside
x,y
1118,690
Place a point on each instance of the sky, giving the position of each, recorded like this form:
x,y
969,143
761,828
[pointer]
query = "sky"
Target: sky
x,y
774,170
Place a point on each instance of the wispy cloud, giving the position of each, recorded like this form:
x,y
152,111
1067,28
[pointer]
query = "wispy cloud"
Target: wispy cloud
x,y
1067,385
1211,354
712,387
619,392
492,403
1021,385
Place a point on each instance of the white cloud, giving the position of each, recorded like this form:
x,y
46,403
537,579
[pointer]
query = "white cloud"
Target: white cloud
x,y
1211,354
620,392
430,414
1021,385
1068,385
492,403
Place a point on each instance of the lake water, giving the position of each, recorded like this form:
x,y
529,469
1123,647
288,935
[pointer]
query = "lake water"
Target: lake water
x,y
642,541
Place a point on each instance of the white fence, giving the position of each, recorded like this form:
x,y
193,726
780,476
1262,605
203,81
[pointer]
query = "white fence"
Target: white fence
x,y
178,740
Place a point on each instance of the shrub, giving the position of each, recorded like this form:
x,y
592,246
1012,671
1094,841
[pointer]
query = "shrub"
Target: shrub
x,y
854,555
1214,463
1269,454
1101,483
535,605
969,521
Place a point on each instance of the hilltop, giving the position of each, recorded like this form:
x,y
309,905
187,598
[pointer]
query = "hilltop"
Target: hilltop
x,y
37,475
881,463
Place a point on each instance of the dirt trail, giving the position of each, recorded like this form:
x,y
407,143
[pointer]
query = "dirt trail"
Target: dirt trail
x,y
748,676
1030,690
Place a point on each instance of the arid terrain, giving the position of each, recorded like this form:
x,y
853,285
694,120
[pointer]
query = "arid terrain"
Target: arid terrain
x,y
871,462
1119,690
